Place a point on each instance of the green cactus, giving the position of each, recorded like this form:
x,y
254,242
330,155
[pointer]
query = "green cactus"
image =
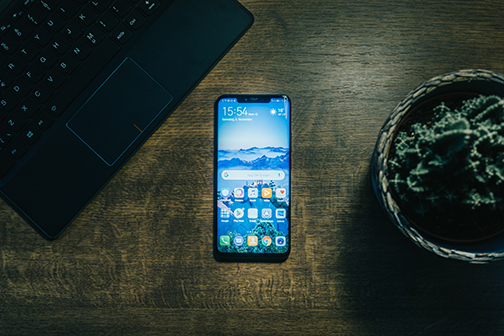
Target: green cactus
x,y
456,161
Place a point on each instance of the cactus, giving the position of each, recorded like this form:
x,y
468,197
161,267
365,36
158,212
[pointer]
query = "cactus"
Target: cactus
x,y
456,161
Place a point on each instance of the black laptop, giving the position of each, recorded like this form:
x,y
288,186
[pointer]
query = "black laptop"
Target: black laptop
x,y
84,83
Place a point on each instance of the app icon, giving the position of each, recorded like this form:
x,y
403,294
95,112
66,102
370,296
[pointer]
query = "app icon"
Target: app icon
x,y
266,213
267,240
225,240
280,213
224,213
252,213
253,193
225,192
239,213
252,241
280,241
239,192
266,193
238,240
281,193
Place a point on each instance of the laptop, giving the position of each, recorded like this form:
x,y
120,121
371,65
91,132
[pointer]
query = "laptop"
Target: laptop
x,y
84,83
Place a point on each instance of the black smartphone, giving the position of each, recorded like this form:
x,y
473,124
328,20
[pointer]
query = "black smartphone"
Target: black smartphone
x,y
252,174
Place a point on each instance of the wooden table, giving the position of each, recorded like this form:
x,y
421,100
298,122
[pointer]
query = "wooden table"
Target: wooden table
x,y
139,259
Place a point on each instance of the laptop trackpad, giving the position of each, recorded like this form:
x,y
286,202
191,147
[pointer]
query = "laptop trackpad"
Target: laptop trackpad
x,y
119,111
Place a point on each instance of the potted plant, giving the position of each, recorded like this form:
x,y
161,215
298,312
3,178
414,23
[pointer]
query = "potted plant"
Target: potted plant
x,y
438,166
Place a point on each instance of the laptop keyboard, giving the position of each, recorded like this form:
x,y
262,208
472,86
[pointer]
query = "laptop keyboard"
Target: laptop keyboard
x,y
49,52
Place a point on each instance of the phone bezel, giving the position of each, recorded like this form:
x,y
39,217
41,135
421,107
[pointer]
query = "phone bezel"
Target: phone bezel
x,y
250,257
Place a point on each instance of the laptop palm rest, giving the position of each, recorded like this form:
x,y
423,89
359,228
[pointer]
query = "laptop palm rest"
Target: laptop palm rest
x,y
119,111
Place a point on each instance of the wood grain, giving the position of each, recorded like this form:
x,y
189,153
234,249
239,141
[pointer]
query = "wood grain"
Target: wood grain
x,y
139,260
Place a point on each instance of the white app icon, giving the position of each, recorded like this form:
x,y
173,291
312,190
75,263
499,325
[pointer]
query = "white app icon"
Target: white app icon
x,y
280,241
239,213
224,213
253,193
239,192
252,213
281,192
280,213
238,240
266,213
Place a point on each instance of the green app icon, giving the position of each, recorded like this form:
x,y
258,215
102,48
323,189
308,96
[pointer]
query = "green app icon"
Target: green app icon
x,y
225,240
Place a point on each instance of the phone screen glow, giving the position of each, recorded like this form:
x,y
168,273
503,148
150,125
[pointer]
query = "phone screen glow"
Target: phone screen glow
x,y
253,176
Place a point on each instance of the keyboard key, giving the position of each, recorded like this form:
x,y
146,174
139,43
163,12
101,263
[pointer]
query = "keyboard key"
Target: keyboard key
x,y
43,120
15,14
28,3
16,66
17,149
6,79
42,93
55,79
135,20
29,107
5,28
47,59
69,64
100,5
8,101
6,164
87,16
35,73
42,37
95,36
29,51
16,121
121,8
61,44
22,31
9,44
122,34
68,9
6,136
21,87
58,105
36,16
148,6
49,5
55,23
108,21
30,134
74,30
82,50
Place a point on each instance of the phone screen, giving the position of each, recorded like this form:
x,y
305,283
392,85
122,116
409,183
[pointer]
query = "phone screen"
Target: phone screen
x,y
252,177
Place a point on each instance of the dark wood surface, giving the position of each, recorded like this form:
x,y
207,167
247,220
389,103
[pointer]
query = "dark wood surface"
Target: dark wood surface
x,y
138,260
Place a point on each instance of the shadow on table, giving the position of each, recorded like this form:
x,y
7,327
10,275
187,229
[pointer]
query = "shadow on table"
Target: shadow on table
x,y
394,287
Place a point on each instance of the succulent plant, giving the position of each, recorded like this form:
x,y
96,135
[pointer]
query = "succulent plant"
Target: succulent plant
x,y
455,161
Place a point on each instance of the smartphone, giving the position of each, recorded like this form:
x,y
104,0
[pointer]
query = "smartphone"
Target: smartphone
x,y
252,174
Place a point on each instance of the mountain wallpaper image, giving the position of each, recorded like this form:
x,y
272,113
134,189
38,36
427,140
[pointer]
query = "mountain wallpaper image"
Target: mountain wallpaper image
x,y
254,158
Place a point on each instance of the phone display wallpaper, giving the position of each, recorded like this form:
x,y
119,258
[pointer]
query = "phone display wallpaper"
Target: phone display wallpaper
x,y
253,182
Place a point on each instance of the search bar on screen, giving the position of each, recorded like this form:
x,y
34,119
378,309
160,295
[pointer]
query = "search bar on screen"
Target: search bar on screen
x,y
274,175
